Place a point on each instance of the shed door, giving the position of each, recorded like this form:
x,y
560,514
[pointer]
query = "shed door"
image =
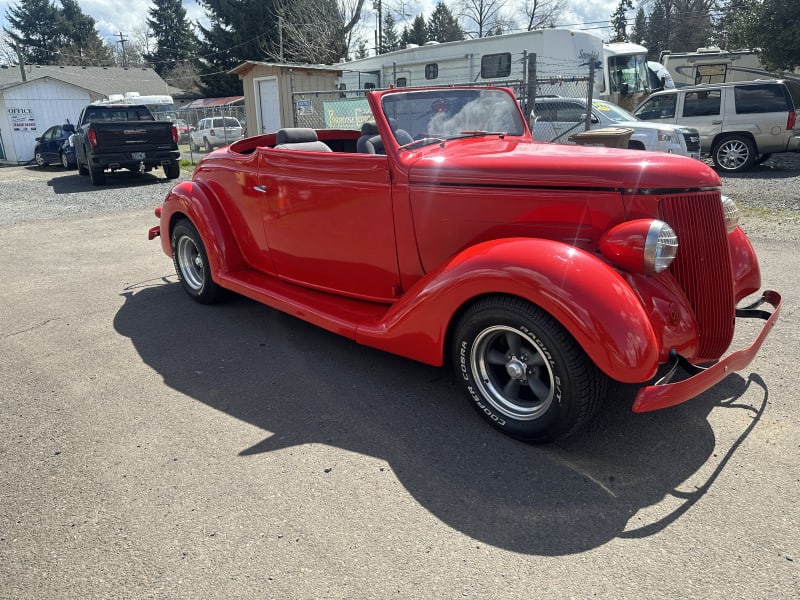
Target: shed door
x,y
269,105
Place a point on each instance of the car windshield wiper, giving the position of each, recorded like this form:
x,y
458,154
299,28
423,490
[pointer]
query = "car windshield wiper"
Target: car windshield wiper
x,y
478,133
456,136
422,142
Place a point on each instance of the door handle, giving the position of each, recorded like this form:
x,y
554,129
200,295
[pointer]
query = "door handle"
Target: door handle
x,y
260,188
716,122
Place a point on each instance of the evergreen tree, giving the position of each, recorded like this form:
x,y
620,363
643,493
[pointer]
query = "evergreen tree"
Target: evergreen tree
x,y
774,27
658,28
238,30
443,26
639,32
417,34
390,40
80,44
619,21
36,30
175,41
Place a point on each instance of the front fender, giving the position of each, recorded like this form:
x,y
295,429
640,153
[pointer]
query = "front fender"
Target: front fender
x,y
589,298
200,206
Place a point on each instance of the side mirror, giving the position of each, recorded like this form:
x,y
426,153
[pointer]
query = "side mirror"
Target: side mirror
x,y
625,89
68,127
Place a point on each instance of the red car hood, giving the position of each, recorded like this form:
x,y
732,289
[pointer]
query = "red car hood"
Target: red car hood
x,y
486,161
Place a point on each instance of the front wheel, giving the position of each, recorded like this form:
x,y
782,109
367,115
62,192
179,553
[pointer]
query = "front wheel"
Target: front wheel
x,y
207,145
65,161
523,372
39,159
734,153
191,263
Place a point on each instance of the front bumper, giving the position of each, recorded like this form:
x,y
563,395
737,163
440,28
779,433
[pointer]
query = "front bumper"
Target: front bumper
x,y
664,394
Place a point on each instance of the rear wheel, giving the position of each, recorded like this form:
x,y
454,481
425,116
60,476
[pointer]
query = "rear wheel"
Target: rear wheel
x,y
523,372
172,170
191,263
98,176
734,153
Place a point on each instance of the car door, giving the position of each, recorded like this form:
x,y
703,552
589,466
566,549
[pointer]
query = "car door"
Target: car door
x,y
328,220
50,145
703,110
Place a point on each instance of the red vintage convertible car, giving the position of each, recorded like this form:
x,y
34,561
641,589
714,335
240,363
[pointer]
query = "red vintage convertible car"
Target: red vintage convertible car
x,y
442,232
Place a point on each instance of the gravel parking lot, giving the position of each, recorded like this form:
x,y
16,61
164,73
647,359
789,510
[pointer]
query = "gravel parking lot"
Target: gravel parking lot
x,y
774,185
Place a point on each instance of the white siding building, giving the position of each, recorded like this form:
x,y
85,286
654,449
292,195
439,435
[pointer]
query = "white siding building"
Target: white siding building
x,y
28,108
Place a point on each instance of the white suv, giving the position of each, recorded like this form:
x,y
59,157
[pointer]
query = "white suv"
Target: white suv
x,y
740,123
215,131
558,118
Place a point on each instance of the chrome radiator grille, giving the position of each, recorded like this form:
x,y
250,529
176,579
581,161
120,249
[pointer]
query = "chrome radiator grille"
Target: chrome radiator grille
x,y
702,266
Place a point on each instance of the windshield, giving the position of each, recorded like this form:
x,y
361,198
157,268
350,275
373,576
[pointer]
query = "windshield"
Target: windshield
x,y
628,74
613,112
451,112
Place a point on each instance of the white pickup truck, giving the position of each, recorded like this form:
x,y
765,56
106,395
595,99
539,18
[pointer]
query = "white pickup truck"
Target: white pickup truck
x,y
559,118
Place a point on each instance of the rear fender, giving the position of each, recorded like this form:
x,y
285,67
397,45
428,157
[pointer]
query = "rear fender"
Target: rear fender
x,y
198,204
589,298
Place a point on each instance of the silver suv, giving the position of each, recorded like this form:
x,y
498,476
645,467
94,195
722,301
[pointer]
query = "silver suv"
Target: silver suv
x,y
559,118
740,123
215,131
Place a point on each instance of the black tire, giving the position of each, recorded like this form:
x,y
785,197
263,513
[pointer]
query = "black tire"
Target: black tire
x,y
65,161
207,145
523,372
635,146
734,153
98,176
193,147
82,169
39,159
172,170
191,263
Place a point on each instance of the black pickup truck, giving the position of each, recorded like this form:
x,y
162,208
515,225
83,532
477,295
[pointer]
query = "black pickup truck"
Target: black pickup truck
x,y
124,136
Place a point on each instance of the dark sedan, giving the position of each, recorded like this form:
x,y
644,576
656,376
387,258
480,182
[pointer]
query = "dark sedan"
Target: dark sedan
x,y
54,146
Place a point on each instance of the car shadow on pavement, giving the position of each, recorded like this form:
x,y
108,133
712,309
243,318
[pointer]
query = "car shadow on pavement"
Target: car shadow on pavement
x,y
301,384
69,182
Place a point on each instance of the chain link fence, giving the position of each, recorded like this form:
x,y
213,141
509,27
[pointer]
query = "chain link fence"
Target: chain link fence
x,y
349,109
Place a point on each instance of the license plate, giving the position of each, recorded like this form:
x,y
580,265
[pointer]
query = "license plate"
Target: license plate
x,y
137,155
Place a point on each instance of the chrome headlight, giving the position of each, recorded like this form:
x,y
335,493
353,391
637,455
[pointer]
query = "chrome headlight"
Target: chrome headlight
x,y
731,213
641,246
660,248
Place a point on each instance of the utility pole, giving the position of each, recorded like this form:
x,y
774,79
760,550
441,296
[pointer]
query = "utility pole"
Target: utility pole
x,y
379,41
122,41
21,62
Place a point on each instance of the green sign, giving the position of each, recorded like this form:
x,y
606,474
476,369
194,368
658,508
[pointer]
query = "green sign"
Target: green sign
x,y
349,113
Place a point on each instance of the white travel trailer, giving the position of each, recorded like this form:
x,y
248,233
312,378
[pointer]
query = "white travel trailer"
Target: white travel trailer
x,y
712,65
560,54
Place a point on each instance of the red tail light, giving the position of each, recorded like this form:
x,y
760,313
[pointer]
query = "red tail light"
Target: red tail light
x,y
174,134
792,120
93,137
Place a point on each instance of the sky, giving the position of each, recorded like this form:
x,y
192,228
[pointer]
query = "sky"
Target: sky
x,y
111,20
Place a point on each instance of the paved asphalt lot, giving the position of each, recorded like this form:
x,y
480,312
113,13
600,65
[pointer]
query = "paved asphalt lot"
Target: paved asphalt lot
x,y
151,447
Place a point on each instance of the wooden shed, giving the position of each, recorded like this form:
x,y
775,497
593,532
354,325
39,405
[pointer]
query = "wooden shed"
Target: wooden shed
x,y
270,90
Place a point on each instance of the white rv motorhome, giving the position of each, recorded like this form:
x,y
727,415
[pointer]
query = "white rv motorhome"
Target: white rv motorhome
x,y
560,54
161,105
712,65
